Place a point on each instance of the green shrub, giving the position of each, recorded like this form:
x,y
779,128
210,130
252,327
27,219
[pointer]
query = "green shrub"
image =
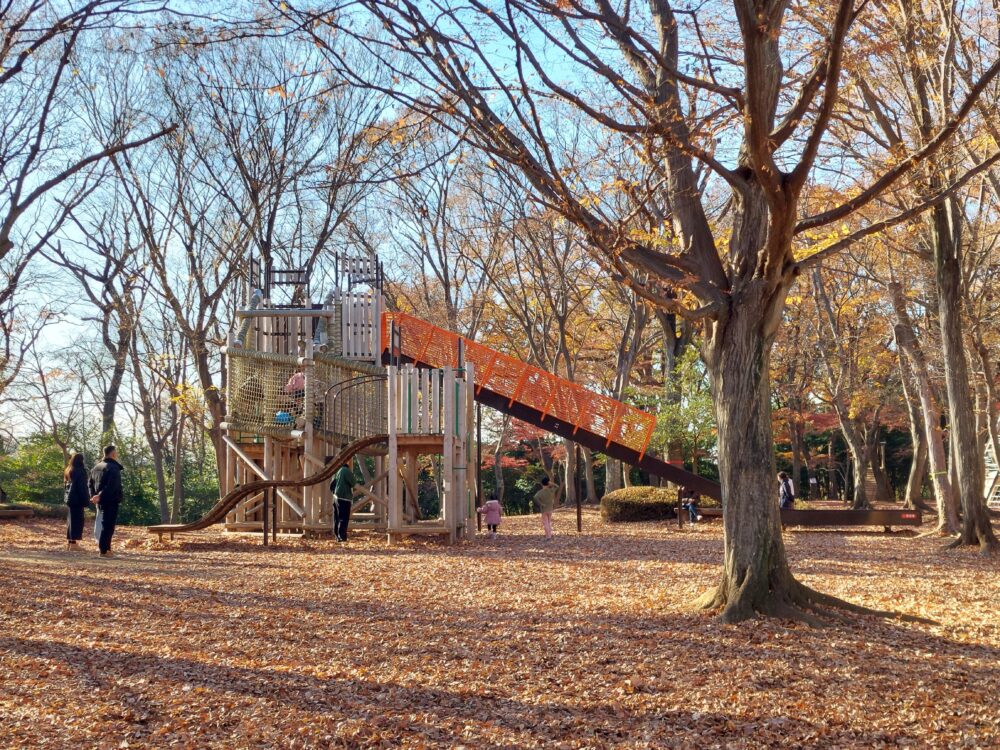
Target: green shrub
x,y
639,504
644,504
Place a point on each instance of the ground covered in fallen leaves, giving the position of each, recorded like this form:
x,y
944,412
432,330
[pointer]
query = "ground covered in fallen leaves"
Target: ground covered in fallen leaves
x,y
214,641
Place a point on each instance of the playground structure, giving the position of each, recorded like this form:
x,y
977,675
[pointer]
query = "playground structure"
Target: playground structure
x,y
306,392
310,387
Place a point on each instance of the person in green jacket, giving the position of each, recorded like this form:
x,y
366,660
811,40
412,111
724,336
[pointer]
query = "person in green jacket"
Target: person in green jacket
x,y
343,493
546,499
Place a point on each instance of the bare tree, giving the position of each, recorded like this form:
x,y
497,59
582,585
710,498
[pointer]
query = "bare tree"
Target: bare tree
x,y
735,274
46,168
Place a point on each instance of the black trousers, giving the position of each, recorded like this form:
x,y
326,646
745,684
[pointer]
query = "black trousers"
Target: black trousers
x,y
109,517
341,517
74,523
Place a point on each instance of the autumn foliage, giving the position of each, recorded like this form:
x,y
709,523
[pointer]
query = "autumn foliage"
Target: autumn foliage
x,y
590,642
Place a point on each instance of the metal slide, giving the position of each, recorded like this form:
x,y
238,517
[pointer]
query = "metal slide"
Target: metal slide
x,y
219,511
540,398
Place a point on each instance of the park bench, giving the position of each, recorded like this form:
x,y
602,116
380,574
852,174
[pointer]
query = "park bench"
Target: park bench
x,y
884,517
16,513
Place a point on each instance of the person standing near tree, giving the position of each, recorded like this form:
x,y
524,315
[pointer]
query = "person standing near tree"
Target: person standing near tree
x,y
343,494
786,492
106,494
546,499
77,496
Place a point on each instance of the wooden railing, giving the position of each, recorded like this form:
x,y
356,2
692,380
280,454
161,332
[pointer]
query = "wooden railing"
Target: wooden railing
x,y
551,396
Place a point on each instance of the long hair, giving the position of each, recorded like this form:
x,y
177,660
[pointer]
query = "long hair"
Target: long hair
x,y
75,462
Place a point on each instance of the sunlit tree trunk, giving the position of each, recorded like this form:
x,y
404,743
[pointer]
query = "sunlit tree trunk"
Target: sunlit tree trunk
x,y
976,528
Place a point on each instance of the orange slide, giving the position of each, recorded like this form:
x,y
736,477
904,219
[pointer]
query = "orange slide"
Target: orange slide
x,y
539,397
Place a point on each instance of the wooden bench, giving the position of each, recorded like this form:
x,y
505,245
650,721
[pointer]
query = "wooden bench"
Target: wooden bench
x,y
16,513
884,517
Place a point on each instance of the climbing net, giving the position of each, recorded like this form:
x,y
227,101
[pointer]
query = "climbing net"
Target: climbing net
x,y
266,392
272,394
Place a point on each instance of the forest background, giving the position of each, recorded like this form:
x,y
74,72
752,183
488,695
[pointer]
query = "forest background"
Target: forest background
x,y
148,153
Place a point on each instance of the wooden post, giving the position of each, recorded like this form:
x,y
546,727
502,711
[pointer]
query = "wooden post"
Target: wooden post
x,y
448,473
264,501
274,515
394,490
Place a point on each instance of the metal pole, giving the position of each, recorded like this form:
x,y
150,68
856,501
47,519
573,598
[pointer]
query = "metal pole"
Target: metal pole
x,y
479,465
680,508
265,517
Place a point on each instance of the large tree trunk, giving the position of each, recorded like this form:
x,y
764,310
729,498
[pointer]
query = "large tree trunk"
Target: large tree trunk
x,y
588,468
883,485
940,480
178,497
109,404
918,437
858,449
569,477
755,576
976,528
612,475
794,437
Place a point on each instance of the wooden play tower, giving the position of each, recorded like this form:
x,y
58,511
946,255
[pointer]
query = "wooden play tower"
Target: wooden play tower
x,y
304,380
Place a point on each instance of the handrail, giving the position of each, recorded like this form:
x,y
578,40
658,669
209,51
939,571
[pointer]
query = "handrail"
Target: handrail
x,y
557,398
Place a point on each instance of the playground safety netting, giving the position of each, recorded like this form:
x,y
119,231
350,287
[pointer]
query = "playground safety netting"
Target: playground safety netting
x,y
522,383
262,395
273,394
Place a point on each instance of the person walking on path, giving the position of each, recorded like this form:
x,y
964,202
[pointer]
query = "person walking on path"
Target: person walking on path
x,y
492,510
546,499
77,496
106,494
786,492
343,494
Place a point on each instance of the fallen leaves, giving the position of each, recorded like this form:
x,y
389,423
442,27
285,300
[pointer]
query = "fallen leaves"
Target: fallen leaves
x,y
214,641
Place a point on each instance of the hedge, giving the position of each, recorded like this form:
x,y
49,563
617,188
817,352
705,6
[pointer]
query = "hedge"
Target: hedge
x,y
643,504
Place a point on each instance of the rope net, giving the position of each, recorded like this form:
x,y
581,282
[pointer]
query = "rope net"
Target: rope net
x,y
266,392
522,383
272,394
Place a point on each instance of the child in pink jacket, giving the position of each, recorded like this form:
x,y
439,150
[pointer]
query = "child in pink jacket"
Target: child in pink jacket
x,y
491,508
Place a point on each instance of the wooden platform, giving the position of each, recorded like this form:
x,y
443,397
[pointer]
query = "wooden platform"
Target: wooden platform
x,y
432,528
421,442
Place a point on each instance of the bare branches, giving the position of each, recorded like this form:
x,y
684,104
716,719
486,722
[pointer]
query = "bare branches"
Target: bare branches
x,y
905,166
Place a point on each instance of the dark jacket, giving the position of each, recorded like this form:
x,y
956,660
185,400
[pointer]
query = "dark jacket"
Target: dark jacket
x,y
77,491
786,495
106,481
343,483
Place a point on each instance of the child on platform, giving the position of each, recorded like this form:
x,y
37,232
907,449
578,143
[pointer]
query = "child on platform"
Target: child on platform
x,y
492,510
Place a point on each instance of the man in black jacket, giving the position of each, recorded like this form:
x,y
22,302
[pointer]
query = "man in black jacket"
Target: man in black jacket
x,y
106,491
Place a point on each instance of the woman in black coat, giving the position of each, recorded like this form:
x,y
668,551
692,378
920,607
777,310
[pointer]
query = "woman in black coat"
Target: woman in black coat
x,y
77,498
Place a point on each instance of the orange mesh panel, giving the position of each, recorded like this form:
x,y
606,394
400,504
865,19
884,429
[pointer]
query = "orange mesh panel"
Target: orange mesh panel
x,y
546,393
